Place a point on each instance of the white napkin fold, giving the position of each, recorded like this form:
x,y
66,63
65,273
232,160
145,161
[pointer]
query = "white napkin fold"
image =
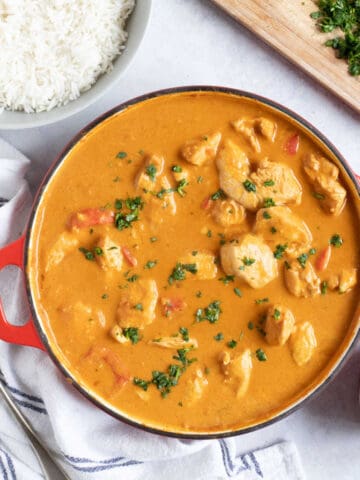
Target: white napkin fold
x,y
89,443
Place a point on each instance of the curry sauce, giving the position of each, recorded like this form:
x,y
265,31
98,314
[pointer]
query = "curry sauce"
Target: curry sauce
x,y
191,267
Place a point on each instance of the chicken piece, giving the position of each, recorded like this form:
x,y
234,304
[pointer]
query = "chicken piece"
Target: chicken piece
x,y
301,282
200,150
234,168
277,181
82,321
237,370
228,212
66,243
137,304
333,282
279,225
250,259
267,128
111,258
174,342
246,128
323,175
150,171
347,279
194,388
279,324
205,264
302,343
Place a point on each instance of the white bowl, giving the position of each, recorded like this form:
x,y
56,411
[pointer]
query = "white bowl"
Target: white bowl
x,y
136,27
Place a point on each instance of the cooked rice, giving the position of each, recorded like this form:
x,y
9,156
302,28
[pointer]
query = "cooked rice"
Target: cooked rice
x,y
53,50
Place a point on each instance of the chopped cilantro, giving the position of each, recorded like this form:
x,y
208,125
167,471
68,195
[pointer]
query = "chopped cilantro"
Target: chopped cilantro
x,y
318,196
124,220
302,259
151,172
88,254
211,313
232,343
248,261
121,155
133,278
180,187
279,251
104,296
259,301
132,334
336,240
269,202
218,195
269,183
150,264
198,294
249,186
266,215
179,271
176,169
218,337
139,382
194,253
139,306
237,292
273,230
277,314
261,355
200,179
98,251
209,233
226,280
312,251
184,332
251,326
153,239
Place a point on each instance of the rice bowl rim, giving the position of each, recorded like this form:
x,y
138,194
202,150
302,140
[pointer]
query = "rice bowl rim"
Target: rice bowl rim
x,y
136,27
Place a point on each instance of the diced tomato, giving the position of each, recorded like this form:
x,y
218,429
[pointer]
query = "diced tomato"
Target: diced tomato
x,y
112,359
171,305
292,144
129,257
322,260
90,217
206,203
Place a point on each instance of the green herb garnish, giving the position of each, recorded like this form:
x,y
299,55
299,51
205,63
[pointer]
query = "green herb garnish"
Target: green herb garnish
x,y
218,194
218,337
318,196
261,355
150,264
237,292
179,272
125,219
302,259
211,313
336,240
232,343
176,169
279,251
269,183
323,287
151,171
251,326
259,301
266,215
184,332
249,186
139,382
226,280
121,155
139,307
132,334
269,202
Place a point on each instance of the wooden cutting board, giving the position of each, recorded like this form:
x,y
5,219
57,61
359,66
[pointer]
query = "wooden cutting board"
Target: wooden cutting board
x,y
286,26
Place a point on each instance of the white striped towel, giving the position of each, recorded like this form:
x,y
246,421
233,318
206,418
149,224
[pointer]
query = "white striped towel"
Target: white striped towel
x,y
90,444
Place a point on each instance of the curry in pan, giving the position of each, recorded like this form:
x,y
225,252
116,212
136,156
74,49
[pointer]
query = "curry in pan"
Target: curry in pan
x,y
194,261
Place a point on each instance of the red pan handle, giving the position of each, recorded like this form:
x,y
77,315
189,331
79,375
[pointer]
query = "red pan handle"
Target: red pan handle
x,y
26,334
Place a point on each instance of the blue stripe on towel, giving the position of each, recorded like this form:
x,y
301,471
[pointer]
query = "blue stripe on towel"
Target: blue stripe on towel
x,y
30,406
19,392
10,464
256,465
230,468
89,460
3,470
101,468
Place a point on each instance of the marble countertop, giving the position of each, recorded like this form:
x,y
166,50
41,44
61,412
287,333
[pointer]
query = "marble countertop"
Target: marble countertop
x,y
191,42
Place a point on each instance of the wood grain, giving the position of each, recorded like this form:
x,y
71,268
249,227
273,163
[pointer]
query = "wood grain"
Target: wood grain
x,y
287,27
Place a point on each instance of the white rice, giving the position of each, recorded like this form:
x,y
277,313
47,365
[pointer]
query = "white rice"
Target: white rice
x,y
53,50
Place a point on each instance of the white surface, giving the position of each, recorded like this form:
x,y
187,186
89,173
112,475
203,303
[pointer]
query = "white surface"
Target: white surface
x,y
192,42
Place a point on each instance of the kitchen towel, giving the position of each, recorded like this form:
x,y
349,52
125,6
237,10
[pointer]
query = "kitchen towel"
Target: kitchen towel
x,y
90,444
